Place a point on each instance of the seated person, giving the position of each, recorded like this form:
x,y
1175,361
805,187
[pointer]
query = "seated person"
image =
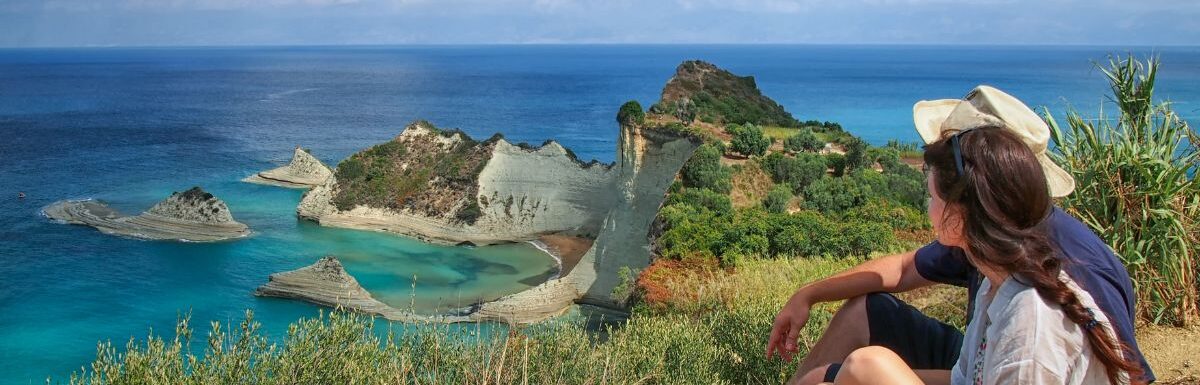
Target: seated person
x,y
927,349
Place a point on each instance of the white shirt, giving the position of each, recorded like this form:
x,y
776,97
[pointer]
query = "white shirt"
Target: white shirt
x,y
1029,340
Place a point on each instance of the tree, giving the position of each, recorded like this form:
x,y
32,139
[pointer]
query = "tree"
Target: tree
x,y
704,169
797,172
631,113
749,140
856,154
805,140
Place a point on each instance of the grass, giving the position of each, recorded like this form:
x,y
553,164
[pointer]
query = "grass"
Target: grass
x,y
779,134
1135,185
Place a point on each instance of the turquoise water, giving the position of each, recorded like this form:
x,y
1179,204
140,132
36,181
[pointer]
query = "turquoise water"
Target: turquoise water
x,y
129,126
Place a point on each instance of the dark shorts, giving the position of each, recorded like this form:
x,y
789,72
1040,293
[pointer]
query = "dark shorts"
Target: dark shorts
x,y
923,342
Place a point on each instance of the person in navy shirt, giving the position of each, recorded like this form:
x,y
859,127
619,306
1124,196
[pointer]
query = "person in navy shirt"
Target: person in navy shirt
x,y
872,317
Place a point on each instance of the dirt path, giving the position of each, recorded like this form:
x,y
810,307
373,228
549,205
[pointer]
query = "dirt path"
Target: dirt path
x,y
1173,353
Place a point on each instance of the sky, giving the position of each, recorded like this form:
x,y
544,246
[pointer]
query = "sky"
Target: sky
x,y
56,23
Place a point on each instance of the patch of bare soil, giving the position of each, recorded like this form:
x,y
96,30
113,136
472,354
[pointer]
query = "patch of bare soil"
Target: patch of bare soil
x,y
569,249
1173,353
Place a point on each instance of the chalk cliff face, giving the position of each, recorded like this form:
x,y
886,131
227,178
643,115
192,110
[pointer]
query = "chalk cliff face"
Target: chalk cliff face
x,y
303,171
444,187
192,215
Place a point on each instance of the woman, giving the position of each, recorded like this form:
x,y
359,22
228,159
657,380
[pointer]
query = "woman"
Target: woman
x,y
1031,324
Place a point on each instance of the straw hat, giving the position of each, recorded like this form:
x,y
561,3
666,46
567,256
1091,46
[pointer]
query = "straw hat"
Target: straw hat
x,y
987,106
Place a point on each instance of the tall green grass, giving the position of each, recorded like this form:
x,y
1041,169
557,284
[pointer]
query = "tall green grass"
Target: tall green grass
x,y
1135,186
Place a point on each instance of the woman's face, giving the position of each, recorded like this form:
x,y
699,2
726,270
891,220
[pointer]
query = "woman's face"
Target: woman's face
x,y
947,227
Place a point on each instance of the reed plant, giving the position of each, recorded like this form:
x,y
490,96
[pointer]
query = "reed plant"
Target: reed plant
x,y
1135,186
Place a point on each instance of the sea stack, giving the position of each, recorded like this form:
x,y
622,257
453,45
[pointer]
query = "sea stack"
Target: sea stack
x,y
192,215
327,283
304,171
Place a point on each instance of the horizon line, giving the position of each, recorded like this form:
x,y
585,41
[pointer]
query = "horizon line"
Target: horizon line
x,y
551,44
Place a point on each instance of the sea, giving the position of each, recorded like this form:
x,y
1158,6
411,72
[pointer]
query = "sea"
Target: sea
x,y
128,126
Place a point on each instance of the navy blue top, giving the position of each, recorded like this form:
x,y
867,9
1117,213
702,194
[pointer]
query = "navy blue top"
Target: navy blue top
x,y
1087,259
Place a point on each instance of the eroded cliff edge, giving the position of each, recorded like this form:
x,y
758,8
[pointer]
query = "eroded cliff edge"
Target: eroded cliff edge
x,y
442,186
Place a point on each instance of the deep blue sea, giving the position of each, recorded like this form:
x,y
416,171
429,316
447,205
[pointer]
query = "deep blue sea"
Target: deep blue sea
x,y
129,126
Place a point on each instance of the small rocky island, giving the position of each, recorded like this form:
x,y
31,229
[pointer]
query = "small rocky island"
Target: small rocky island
x,y
192,215
303,171
442,186
326,283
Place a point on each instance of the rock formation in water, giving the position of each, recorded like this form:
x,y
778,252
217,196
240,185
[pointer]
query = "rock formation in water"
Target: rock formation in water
x,y
441,186
192,215
326,283
304,171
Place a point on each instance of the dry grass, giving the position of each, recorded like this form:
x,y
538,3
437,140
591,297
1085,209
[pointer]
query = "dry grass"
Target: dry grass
x,y
750,185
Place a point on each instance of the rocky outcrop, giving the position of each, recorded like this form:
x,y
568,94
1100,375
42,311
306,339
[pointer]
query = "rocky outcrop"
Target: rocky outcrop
x,y
303,171
192,215
443,187
326,283
701,90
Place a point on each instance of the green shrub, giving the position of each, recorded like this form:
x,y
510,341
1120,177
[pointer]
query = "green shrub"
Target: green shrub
x,y
748,140
896,216
631,114
836,162
805,140
704,169
704,198
832,195
797,172
777,199
1136,187
856,154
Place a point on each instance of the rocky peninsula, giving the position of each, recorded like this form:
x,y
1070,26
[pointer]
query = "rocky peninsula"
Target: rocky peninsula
x,y
303,171
442,186
326,283
192,215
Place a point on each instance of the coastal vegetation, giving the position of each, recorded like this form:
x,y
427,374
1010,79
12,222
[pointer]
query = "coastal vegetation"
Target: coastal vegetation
x,y
852,202
1135,176
713,95
398,173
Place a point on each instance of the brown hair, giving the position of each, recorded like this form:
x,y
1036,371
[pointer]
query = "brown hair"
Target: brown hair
x,y
1004,200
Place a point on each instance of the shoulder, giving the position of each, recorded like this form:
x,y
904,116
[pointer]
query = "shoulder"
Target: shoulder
x,y
1079,244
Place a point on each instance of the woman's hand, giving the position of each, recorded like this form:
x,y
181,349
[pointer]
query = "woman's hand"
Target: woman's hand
x,y
788,324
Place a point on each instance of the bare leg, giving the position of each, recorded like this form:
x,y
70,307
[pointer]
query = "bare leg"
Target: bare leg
x,y
847,331
875,365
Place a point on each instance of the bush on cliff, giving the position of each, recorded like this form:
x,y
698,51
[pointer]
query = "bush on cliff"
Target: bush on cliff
x,y
778,198
797,172
748,140
704,169
631,114
834,195
805,140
